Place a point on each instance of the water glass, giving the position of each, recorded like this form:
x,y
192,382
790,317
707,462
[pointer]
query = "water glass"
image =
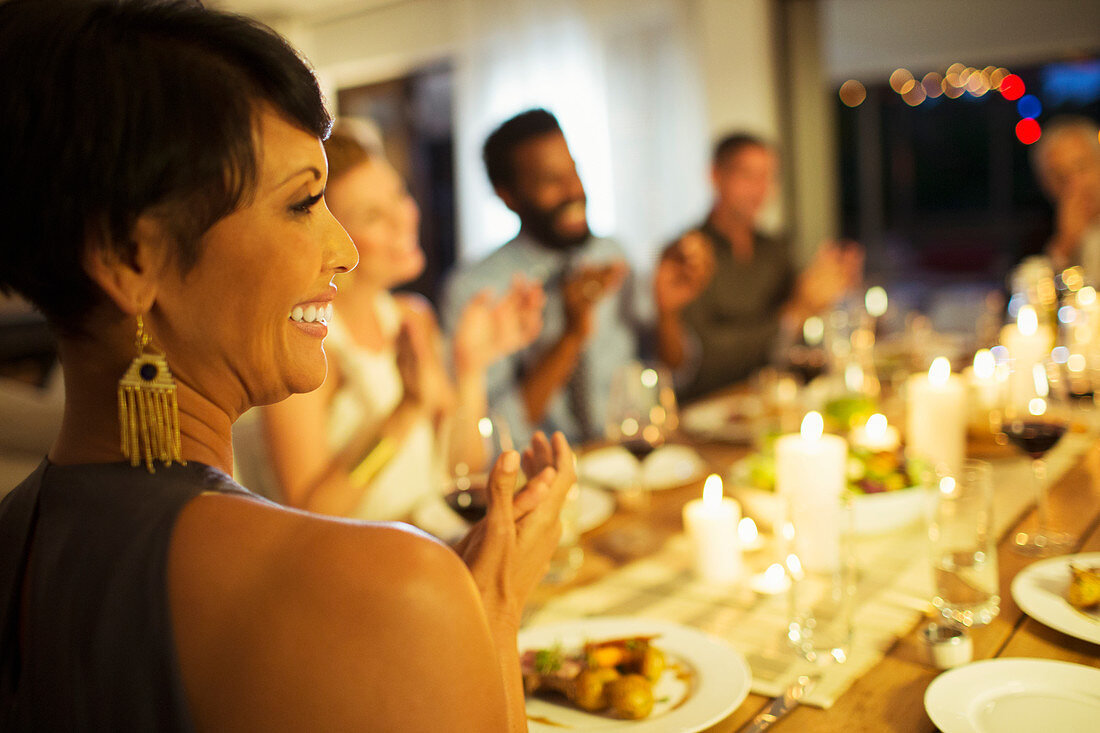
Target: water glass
x,y
821,566
963,546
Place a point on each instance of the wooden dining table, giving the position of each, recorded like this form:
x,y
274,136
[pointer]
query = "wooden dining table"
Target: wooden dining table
x,y
890,697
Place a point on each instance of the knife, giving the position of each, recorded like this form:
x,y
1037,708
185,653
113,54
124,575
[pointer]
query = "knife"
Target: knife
x,y
782,705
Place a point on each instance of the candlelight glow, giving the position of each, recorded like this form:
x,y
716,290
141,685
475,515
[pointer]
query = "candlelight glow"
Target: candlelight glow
x,y
813,330
940,371
629,427
947,485
1037,406
1039,376
1027,320
795,566
853,378
984,364
1076,363
485,427
812,426
712,490
773,576
1086,296
747,531
876,427
649,378
876,301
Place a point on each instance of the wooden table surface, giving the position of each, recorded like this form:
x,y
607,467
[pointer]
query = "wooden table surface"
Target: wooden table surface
x,y
891,696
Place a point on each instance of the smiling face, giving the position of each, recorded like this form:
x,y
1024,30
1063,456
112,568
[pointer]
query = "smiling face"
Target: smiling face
x,y
547,193
245,325
373,205
745,181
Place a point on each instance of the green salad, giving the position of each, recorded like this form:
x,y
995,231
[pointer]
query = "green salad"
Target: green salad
x,y
868,472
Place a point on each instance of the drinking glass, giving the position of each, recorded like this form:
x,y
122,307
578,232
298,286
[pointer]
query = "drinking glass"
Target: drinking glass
x,y
820,563
963,546
641,414
1035,417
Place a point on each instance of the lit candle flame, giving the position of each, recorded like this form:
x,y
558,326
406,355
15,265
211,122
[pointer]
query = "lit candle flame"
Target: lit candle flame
x,y
875,429
812,426
712,490
940,371
1027,320
984,364
747,531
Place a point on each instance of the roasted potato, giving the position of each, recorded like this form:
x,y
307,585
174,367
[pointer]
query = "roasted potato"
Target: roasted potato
x,y
631,697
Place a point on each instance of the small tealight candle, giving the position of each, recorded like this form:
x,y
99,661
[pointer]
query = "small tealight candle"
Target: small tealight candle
x,y
772,581
711,525
749,535
876,436
936,416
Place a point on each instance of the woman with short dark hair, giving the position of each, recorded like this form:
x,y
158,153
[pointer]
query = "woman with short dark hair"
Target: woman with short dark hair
x,y
164,208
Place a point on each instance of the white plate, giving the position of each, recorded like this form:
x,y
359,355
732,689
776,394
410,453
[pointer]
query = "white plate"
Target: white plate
x,y
730,419
668,467
435,517
1015,696
720,678
1040,592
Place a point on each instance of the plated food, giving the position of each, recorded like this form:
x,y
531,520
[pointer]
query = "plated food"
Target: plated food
x,y
615,677
703,680
1084,586
1053,593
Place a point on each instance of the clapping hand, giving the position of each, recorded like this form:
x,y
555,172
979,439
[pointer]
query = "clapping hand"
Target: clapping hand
x,y
509,550
685,269
836,269
422,375
586,286
488,330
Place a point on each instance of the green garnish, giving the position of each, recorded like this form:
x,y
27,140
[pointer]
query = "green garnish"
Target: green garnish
x,y
548,661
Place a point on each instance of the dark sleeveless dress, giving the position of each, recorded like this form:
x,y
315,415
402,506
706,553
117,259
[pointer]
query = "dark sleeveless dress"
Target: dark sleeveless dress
x,y
96,651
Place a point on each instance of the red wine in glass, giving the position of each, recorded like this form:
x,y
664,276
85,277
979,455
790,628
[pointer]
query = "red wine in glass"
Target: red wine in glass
x,y
640,447
1035,437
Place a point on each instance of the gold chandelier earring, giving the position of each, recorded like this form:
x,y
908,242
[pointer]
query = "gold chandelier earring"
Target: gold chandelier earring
x,y
147,410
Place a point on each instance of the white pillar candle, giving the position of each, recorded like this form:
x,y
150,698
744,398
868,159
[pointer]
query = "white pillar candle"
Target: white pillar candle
x,y
810,474
984,389
876,435
936,416
1027,346
711,526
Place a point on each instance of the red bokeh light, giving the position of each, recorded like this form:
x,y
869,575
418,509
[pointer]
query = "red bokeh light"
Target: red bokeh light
x,y
1012,87
1028,131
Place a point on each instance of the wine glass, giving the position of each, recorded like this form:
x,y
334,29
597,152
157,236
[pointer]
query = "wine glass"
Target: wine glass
x,y
641,414
1035,417
465,492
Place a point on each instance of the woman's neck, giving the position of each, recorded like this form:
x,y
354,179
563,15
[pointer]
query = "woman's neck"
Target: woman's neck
x,y
90,425
358,310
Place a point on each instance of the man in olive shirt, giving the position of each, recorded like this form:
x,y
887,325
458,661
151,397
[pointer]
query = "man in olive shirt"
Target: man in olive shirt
x,y
729,297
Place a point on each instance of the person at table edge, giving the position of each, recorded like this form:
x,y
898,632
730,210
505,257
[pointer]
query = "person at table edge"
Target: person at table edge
x,y
728,296
590,321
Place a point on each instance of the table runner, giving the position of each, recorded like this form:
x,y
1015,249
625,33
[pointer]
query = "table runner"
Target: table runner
x,y
894,588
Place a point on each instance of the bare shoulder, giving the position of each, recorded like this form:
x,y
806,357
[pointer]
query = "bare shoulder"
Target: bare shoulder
x,y
286,620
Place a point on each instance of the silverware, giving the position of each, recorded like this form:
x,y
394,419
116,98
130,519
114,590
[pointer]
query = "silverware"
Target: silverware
x,y
782,705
